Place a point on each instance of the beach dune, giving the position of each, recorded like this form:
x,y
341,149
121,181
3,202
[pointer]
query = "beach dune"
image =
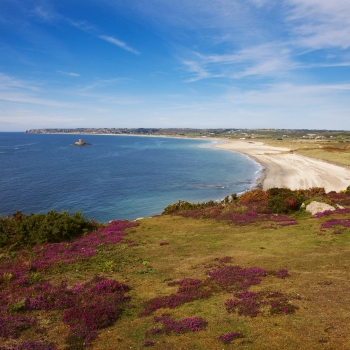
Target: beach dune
x,y
282,168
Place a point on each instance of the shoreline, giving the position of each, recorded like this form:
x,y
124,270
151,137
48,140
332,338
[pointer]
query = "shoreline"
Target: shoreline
x,y
280,167
285,169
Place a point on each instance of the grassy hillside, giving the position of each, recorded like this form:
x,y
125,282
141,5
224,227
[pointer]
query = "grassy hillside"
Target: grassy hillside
x,y
246,279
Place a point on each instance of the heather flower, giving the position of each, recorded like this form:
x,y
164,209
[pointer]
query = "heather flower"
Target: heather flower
x,y
189,290
192,324
87,307
280,304
230,277
82,248
12,326
98,305
247,304
227,338
336,222
250,303
148,343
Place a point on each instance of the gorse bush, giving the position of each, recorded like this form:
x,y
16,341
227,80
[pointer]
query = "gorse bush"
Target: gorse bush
x,y
253,196
274,200
311,192
29,230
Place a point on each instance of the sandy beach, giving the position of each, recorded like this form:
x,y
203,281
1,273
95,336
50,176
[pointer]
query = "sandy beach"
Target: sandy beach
x,y
282,168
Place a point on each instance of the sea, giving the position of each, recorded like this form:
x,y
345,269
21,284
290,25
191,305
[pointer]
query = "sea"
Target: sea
x,y
117,176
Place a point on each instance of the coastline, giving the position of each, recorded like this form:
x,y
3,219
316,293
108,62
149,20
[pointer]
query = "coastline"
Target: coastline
x,y
283,168
280,167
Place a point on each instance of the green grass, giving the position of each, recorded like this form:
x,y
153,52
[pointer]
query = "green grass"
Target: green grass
x,y
318,262
318,265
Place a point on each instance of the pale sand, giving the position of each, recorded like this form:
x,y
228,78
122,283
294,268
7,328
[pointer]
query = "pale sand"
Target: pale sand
x,y
285,169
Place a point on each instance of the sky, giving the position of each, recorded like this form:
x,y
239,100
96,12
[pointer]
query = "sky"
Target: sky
x,y
175,64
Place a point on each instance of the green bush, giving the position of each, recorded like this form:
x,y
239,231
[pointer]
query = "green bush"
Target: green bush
x,y
183,205
283,200
6,231
29,230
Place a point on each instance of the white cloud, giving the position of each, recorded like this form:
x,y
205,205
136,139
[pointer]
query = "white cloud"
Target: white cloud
x,y
91,29
320,23
270,60
8,82
26,98
118,43
197,69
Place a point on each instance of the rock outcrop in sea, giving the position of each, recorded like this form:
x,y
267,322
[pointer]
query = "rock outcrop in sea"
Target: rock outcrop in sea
x,y
81,143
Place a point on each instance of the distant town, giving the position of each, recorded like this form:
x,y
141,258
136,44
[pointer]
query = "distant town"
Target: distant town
x,y
222,133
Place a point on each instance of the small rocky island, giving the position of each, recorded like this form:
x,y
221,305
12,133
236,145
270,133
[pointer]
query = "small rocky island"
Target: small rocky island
x,y
81,143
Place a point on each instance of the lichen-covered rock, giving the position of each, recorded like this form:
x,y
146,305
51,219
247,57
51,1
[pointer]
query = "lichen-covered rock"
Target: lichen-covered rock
x,y
318,207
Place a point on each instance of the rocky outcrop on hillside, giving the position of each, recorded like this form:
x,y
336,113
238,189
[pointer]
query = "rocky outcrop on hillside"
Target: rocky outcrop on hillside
x,y
318,207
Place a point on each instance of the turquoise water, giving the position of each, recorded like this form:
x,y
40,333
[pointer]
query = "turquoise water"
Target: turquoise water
x,y
118,177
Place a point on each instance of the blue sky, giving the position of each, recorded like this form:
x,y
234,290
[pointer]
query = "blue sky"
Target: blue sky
x,y
166,63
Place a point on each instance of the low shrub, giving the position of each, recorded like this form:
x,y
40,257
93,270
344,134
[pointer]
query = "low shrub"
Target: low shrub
x,y
12,326
311,192
284,200
252,303
87,307
183,205
29,230
253,196
223,278
227,338
192,324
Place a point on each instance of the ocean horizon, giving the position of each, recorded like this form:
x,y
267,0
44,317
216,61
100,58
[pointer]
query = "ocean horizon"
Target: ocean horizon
x,y
118,176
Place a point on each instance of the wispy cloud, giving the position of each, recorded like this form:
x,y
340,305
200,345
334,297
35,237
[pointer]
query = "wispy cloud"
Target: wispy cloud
x,y
96,32
84,26
320,23
287,95
49,15
198,70
8,82
17,90
45,14
69,73
26,98
272,60
100,84
118,43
